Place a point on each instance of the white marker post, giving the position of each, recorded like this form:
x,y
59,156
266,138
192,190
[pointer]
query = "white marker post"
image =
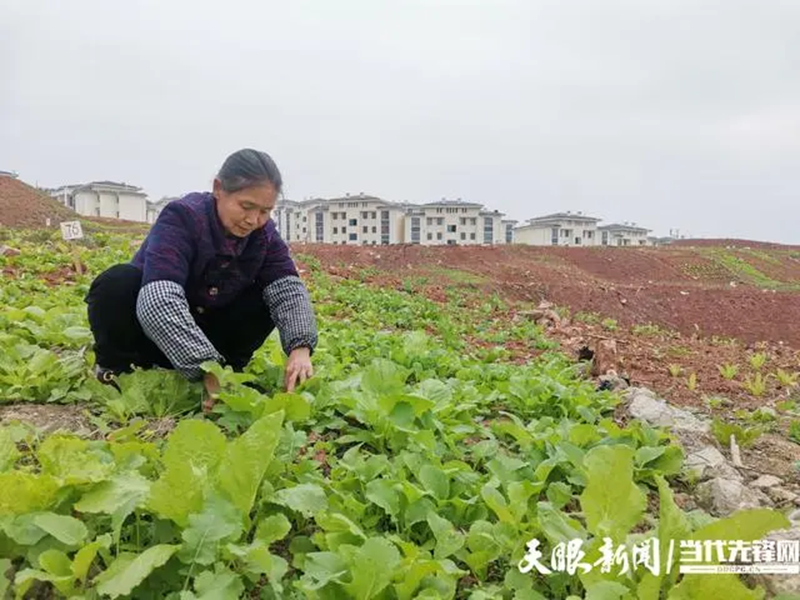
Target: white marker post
x,y
72,230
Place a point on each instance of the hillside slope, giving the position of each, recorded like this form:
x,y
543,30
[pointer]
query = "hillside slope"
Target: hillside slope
x,y
23,206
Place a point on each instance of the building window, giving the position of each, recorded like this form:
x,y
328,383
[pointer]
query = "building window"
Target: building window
x,y
439,236
463,210
352,222
577,241
438,210
488,230
472,236
473,221
554,236
430,235
365,229
320,232
440,221
335,216
353,237
509,233
605,238
451,229
463,220
463,236
374,229
344,229
384,227
451,242
430,220
304,219
374,215
335,230
415,230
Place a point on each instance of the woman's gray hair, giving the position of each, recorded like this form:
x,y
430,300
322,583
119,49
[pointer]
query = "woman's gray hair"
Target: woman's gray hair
x,y
248,168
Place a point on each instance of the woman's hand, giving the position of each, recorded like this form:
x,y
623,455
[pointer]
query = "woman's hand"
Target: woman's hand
x,y
298,367
211,385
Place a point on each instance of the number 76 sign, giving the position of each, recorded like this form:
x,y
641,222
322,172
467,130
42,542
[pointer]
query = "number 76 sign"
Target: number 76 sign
x,y
71,230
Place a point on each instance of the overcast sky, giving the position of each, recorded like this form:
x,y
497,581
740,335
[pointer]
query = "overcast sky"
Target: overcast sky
x,y
668,113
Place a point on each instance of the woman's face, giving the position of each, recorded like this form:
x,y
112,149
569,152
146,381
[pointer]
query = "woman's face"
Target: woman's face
x,y
245,211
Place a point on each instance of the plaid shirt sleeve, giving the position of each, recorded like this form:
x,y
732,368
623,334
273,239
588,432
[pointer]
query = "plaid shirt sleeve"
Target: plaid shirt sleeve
x,y
291,311
163,311
286,296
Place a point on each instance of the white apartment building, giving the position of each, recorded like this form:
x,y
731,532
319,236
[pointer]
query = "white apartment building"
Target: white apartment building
x,y
359,219
292,219
363,220
154,208
454,222
559,229
624,234
104,199
507,226
367,220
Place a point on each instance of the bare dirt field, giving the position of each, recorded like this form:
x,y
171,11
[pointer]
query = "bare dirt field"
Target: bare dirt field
x,y
710,292
682,319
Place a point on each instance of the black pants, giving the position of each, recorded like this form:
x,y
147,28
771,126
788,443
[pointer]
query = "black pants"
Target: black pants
x,y
236,331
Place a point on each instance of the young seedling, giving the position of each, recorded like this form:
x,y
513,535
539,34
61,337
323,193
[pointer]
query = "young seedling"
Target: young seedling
x,y
675,370
609,324
758,360
756,386
745,436
691,382
728,371
794,431
786,379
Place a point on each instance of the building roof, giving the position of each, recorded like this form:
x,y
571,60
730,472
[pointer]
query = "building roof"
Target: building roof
x,y
624,227
457,202
11,174
126,187
361,197
562,216
491,213
162,201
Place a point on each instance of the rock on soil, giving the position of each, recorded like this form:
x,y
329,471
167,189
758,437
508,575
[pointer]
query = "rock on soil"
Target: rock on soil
x,y
709,462
645,405
783,583
766,481
722,497
722,489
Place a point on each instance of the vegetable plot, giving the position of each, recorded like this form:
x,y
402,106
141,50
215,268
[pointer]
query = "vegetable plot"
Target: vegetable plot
x,y
412,466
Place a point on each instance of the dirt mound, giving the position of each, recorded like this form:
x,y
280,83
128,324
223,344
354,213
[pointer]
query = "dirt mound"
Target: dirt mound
x,y
25,207
677,288
734,243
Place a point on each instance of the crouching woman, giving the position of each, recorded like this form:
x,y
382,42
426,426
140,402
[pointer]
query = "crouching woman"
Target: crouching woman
x,y
210,282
